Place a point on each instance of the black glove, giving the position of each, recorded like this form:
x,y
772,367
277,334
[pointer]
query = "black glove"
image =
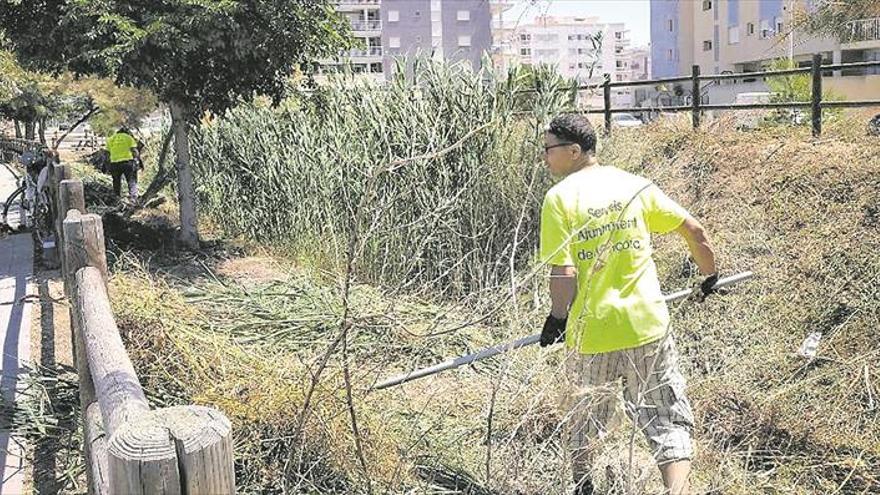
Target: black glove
x,y
707,287
554,330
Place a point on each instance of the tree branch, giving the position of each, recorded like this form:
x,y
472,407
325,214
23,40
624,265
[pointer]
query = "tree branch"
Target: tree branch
x,y
92,111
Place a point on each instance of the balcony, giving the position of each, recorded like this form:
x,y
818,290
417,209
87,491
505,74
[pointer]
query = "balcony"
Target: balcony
x,y
863,30
374,51
362,25
346,4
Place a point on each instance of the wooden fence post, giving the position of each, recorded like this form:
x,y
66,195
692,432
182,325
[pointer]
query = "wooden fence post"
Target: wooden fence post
x,y
606,89
200,437
696,97
57,173
70,197
83,247
816,96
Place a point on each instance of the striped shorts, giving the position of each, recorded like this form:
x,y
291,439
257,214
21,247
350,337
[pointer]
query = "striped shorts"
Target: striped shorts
x,y
653,397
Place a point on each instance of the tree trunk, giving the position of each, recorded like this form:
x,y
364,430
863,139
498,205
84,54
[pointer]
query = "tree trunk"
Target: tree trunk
x,y
18,129
29,129
42,130
189,233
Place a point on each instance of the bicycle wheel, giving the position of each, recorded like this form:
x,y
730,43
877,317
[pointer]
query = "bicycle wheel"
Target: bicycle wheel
x,y
9,201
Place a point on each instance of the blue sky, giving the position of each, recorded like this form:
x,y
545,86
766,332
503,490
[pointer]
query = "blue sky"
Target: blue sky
x,y
635,14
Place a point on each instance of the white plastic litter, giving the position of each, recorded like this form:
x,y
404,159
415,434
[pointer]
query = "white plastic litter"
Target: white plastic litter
x,y
810,345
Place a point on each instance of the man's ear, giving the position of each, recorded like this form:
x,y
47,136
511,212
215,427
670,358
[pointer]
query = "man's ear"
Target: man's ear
x,y
580,150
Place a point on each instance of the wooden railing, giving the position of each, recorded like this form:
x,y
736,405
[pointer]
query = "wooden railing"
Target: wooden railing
x,y
10,146
128,448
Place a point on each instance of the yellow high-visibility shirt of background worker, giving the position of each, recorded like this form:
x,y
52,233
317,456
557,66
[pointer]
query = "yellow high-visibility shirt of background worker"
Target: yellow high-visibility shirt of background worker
x,y
603,209
119,145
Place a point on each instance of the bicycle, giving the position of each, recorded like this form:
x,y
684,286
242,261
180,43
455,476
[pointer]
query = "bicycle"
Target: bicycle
x,y
31,196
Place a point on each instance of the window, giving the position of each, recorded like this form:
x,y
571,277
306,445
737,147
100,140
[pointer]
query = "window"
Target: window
x,y
779,25
464,15
669,55
376,67
571,37
525,51
418,39
707,45
750,29
571,66
669,25
620,64
618,50
394,42
733,35
393,16
618,35
418,13
765,29
464,40
707,4
525,37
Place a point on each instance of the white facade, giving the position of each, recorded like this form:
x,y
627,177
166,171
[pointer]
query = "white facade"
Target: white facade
x,y
366,26
570,45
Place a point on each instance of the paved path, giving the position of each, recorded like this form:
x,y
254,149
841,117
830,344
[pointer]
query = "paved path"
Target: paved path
x,y
16,270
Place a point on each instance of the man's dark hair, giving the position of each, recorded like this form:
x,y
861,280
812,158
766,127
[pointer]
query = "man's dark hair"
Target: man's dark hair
x,y
575,128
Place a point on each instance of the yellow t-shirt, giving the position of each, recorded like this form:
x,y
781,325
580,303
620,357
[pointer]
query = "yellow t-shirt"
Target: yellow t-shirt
x,y
604,213
119,145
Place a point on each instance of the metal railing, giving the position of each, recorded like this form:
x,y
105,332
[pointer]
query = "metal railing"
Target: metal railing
x,y
697,107
864,30
357,2
374,51
366,25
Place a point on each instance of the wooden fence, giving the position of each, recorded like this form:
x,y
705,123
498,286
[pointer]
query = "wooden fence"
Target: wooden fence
x,y
128,448
10,147
697,107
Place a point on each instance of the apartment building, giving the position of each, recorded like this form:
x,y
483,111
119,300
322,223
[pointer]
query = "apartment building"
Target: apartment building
x,y
569,44
745,35
365,17
389,30
455,30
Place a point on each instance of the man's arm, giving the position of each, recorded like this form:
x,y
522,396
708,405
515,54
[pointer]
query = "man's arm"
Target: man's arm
x,y
563,287
698,243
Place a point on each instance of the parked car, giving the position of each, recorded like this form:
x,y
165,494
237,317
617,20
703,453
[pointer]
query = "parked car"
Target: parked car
x,y
625,120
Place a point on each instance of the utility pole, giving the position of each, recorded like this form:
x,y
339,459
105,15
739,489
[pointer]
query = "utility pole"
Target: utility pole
x,y
791,30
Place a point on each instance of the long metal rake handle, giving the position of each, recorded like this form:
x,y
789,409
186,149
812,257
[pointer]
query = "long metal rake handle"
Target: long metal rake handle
x,y
525,341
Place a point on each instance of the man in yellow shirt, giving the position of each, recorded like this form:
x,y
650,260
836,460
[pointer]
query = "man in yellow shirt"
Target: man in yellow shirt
x,y
123,149
596,226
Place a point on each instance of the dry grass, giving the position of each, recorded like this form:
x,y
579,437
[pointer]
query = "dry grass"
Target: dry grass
x,y
248,336
799,212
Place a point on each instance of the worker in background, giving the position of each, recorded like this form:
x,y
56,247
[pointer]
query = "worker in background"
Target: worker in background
x,y
124,152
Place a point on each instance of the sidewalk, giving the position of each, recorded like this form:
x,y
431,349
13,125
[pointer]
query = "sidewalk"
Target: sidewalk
x,y
16,271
